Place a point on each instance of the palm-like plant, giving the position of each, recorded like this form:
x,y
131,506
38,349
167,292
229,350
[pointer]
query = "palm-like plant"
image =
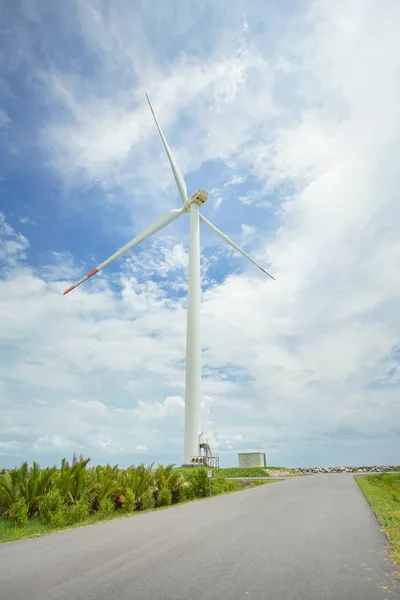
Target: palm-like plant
x,y
71,479
168,476
81,487
29,483
139,480
103,483
38,483
9,492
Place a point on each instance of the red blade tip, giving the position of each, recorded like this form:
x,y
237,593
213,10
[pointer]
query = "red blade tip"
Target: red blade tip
x,y
69,290
266,272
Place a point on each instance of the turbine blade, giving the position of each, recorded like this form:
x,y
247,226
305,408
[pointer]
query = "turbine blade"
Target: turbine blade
x,y
160,223
229,241
180,182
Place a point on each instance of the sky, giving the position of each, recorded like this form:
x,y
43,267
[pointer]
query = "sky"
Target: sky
x,y
287,113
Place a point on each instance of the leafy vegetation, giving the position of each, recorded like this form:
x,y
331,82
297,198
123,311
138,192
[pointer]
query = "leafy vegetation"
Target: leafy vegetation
x,y
242,472
230,472
19,513
34,501
383,494
239,472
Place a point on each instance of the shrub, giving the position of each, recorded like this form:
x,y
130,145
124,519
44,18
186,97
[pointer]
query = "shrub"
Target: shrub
x,y
220,486
106,506
51,509
186,492
148,500
68,495
164,497
77,512
170,477
199,482
19,513
139,479
129,503
58,520
25,482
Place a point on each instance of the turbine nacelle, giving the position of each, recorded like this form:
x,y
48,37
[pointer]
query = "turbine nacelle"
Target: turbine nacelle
x,y
198,197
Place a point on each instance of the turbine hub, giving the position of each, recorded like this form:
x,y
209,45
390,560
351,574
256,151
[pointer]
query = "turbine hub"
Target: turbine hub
x,y
198,197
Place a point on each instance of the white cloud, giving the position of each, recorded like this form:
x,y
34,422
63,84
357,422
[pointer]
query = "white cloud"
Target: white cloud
x,y
158,410
304,120
4,119
9,447
47,442
26,221
141,448
110,445
248,232
13,245
236,180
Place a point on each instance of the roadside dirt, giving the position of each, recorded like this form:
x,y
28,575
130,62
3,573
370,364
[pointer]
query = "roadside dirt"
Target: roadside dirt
x,y
281,473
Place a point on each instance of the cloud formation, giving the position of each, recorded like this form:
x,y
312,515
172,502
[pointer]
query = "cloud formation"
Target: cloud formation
x,y
290,120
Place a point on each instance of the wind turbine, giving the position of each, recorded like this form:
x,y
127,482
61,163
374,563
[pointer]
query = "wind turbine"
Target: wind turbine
x,y
193,349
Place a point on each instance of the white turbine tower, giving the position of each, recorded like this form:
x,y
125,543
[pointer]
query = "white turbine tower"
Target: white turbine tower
x,y
193,349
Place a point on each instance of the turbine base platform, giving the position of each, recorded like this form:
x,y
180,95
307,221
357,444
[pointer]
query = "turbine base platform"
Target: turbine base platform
x,y
204,459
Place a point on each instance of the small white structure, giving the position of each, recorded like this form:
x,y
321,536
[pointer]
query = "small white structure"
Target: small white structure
x,y
252,459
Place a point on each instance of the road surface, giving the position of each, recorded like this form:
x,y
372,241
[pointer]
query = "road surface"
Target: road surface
x,y
306,538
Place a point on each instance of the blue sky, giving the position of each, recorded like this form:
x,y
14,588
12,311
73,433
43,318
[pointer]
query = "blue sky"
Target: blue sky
x,y
287,113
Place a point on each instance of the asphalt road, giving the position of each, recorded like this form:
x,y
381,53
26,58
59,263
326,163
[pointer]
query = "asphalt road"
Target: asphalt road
x,y
306,538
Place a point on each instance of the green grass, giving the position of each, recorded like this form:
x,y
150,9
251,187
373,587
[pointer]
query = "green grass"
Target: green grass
x,y
383,494
10,533
244,471
232,472
241,472
34,528
251,484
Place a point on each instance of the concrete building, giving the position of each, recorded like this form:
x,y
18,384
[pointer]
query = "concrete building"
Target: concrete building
x,y
252,459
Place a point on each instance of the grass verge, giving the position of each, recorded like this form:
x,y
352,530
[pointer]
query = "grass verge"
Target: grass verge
x,y
284,472
35,528
383,494
249,472
240,472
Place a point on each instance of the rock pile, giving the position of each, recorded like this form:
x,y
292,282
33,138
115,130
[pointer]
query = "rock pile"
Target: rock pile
x,y
370,469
